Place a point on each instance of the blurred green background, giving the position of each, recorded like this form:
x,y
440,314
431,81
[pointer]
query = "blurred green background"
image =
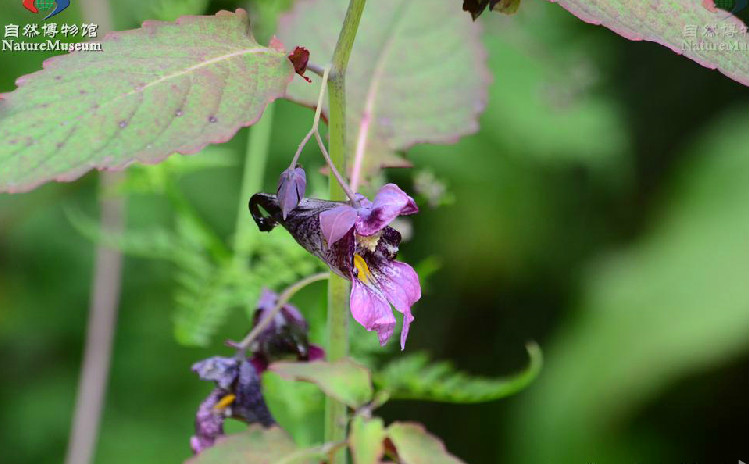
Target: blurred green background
x,y
602,210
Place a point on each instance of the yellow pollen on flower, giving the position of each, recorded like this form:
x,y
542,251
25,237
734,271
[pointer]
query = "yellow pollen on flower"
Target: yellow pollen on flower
x,y
363,275
225,402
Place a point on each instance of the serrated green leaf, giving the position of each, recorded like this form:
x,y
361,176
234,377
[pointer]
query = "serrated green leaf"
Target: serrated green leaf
x,y
366,440
417,72
257,445
668,22
412,377
345,380
415,445
153,91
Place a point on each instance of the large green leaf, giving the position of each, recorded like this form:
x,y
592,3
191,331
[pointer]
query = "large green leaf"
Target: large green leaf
x,y
674,304
672,23
344,380
417,72
416,446
150,92
412,377
257,445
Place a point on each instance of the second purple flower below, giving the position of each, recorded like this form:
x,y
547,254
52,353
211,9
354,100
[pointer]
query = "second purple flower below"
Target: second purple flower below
x,y
357,244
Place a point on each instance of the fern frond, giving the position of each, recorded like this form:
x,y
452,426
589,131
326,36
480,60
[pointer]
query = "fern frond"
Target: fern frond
x,y
412,377
208,289
209,283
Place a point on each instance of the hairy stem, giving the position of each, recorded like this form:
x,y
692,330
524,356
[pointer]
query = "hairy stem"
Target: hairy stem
x,y
338,288
283,298
256,156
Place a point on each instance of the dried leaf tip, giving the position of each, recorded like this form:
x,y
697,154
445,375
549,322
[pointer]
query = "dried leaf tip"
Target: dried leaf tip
x,y
477,7
299,58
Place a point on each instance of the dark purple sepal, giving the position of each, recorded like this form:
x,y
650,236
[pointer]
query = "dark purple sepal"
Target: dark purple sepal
x,y
249,405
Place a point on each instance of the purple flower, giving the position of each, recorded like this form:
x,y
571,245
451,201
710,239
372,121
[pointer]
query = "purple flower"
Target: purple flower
x,y
209,421
238,395
358,244
285,336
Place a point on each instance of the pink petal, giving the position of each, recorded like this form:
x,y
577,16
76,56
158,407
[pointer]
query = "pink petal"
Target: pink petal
x,y
407,319
400,284
389,203
336,222
372,311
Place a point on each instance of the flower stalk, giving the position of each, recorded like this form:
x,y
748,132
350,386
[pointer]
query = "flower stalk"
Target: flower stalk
x,y
283,298
316,132
338,291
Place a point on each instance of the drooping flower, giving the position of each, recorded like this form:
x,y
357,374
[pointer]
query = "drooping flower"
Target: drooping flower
x,y
286,335
238,395
357,244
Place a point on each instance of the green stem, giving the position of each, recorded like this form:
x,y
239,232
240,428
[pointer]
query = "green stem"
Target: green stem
x,y
252,182
338,288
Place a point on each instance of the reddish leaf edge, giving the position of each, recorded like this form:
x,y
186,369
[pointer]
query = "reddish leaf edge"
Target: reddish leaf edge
x,y
275,429
77,173
420,428
623,33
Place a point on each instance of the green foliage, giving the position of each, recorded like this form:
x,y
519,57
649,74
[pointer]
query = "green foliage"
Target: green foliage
x,y
416,446
297,406
150,92
257,445
345,380
210,282
208,287
412,377
428,51
366,440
